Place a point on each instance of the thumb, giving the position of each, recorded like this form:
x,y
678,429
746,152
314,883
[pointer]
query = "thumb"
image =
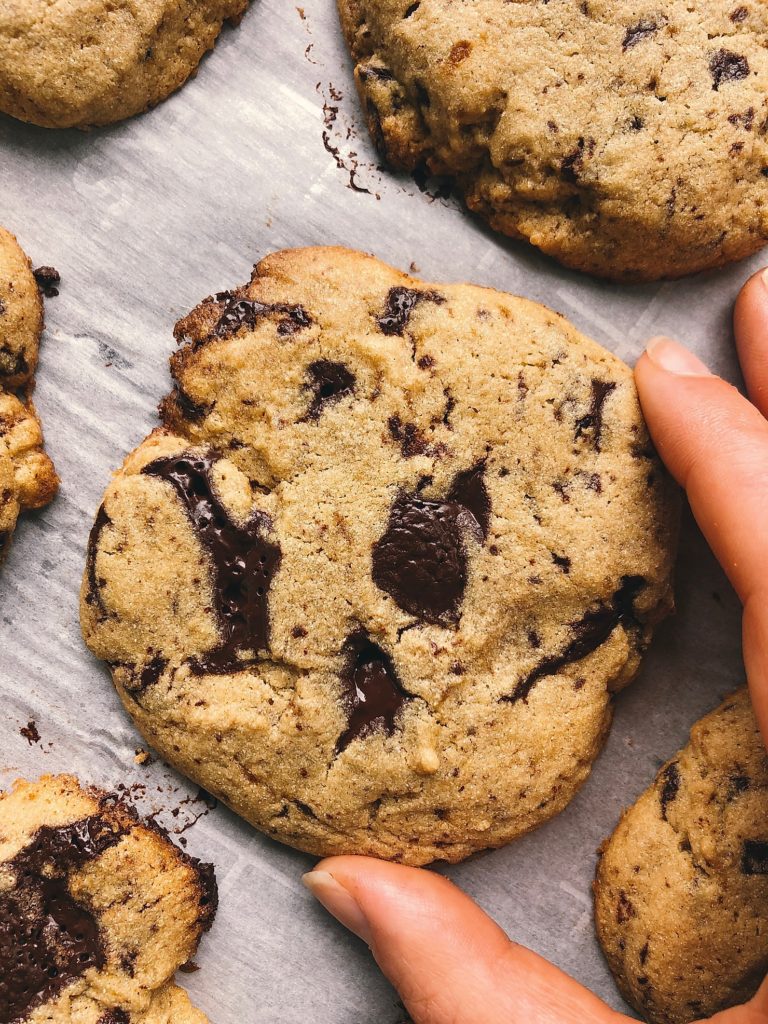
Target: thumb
x,y
715,443
447,959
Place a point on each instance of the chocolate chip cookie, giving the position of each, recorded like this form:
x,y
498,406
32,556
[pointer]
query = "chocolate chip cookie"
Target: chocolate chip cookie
x,y
626,139
75,65
374,581
97,910
681,895
27,477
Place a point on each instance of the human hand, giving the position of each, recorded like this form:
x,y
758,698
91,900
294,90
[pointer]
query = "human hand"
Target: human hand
x,y
449,961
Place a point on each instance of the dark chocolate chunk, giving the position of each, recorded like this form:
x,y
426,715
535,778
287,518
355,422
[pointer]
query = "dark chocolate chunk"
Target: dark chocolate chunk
x,y
328,382
420,560
244,562
47,279
93,596
411,440
373,696
247,312
563,562
625,909
115,1016
399,306
470,491
189,409
637,33
593,421
727,66
754,859
588,633
47,939
152,671
670,787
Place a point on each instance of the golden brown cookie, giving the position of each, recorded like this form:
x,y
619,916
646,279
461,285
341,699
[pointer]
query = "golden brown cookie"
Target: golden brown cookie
x,y
27,477
681,894
97,910
626,139
80,63
375,581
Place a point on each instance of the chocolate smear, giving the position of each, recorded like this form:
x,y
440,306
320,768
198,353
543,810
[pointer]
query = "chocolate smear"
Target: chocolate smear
x,y
399,306
372,694
244,561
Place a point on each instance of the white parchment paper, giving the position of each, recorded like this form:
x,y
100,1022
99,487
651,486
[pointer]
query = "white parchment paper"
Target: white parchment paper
x,y
143,220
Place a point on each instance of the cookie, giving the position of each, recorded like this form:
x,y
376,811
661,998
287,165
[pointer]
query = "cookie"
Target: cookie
x,y
66,64
374,581
681,894
626,139
27,477
97,910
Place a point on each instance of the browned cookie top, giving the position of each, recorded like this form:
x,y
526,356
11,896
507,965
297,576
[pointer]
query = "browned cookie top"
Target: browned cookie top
x,y
625,138
376,578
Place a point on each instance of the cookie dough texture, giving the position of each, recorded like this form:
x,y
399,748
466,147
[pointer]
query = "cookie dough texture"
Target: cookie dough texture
x,y
626,139
27,477
681,895
375,580
81,63
97,910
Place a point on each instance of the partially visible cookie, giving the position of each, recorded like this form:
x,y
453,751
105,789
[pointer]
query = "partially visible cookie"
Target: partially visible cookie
x,y
27,477
66,64
681,894
97,910
628,139
376,581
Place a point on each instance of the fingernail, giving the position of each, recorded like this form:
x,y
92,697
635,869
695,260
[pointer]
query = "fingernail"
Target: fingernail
x,y
764,277
338,901
675,358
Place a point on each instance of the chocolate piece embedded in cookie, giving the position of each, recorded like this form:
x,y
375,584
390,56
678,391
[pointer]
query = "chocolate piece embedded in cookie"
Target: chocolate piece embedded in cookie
x,y
681,893
350,587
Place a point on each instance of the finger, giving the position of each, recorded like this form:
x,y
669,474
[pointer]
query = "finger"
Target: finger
x,y
448,960
716,445
750,321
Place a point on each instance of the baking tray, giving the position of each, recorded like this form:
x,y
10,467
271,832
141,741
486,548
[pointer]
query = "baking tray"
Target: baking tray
x,y
266,149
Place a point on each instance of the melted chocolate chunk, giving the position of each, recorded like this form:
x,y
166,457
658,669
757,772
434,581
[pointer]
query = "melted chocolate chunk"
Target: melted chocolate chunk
x,y
470,491
670,787
373,696
420,561
247,312
754,859
727,66
593,421
637,33
411,440
152,671
47,279
399,306
93,597
189,409
244,561
47,940
588,633
573,163
115,1016
328,382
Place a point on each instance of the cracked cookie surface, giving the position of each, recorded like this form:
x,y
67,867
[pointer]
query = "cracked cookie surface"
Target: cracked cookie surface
x,y
27,477
82,63
681,894
373,583
626,139
97,910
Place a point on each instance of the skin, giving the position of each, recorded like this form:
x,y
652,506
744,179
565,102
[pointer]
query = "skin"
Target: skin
x,y
448,960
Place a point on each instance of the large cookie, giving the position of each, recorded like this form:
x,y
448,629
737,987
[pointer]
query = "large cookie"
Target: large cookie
x,y
375,581
97,910
27,476
625,138
66,64
681,895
